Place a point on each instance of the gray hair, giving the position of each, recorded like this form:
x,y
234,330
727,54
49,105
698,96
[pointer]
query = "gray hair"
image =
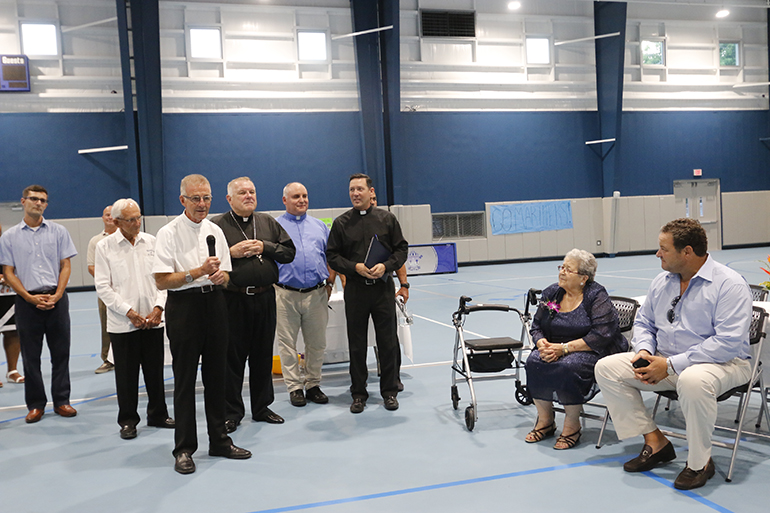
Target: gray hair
x,y
586,262
192,180
288,186
231,184
119,206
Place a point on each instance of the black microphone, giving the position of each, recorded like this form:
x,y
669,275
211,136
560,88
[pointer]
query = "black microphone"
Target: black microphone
x,y
212,242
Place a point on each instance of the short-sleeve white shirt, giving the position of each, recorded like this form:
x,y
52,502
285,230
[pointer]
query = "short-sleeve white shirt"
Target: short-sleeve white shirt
x,y
181,246
91,252
124,279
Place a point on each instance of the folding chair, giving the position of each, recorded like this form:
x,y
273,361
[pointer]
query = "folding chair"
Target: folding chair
x,y
758,293
626,308
756,339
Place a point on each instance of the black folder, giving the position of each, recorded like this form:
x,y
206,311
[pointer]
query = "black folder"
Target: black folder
x,y
377,254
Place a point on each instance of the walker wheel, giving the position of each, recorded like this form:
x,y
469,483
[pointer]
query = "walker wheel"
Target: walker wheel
x,y
455,397
470,418
522,395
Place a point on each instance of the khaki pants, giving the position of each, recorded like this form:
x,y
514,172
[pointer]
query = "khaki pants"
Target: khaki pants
x,y
105,336
698,386
309,311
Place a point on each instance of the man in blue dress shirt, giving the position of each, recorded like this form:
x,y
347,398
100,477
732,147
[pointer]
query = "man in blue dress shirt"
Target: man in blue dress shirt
x,y
693,330
302,298
35,255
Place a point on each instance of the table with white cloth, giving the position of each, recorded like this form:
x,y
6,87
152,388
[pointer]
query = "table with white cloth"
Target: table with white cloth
x,y
337,334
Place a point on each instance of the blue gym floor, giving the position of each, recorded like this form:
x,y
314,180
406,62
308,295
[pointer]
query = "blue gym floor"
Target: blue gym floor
x,y
420,458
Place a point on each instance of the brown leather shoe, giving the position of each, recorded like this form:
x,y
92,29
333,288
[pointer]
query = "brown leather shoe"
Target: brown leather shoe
x,y
647,460
65,410
689,478
34,415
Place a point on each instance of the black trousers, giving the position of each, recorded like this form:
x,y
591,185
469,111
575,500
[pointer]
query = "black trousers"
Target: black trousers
x,y
32,324
197,330
252,334
377,301
132,350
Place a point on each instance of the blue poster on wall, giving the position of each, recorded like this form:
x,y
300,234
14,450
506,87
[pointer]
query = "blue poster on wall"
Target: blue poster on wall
x,y
530,217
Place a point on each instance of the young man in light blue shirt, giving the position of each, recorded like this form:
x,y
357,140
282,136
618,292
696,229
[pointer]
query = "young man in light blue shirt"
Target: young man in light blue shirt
x,y
35,255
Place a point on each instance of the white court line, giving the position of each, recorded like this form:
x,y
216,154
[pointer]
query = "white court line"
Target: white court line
x,y
447,325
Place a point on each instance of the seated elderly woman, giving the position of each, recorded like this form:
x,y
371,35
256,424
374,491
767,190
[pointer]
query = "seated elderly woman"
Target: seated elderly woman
x,y
574,326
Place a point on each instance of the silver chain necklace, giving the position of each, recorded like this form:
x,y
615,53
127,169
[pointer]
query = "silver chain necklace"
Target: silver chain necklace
x,y
253,225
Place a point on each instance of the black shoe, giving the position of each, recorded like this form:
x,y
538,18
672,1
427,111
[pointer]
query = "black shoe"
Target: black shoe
x,y
184,463
391,403
167,423
400,386
297,398
358,405
269,416
647,460
314,394
128,432
231,425
232,452
689,478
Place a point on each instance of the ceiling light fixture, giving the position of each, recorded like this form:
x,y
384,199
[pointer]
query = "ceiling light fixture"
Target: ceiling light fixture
x,y
723,13
513,6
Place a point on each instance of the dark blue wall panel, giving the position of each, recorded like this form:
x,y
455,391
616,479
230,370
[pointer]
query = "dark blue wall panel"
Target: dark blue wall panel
x,y
458,160
659,147
453,160
321,150
43,149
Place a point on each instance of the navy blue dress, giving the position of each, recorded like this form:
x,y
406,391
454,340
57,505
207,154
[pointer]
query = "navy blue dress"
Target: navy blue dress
x,y
570,379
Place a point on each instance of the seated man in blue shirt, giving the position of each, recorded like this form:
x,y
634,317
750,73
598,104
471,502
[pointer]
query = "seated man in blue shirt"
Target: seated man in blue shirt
x,y
693,330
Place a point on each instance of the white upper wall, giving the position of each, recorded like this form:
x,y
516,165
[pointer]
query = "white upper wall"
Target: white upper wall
x,y
260,69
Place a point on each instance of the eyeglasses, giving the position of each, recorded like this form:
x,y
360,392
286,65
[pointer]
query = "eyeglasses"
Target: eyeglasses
x,y
35,199
198,199
670,315
566,269
132,220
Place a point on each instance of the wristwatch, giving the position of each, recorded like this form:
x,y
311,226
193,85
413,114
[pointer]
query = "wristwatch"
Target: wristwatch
x,y
188,277
670,367
405,285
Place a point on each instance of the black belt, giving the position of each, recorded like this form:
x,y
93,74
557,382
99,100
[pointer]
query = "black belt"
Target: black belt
x,y
250,290
43,291
205,289
309,289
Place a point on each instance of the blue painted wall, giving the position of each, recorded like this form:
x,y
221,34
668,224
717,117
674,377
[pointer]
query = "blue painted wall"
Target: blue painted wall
x,y
458,160
321,150
43,149
659,147
453,160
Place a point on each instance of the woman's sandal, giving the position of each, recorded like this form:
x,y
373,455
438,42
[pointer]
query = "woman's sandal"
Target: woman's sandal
x,y
538,435
14,377
569,441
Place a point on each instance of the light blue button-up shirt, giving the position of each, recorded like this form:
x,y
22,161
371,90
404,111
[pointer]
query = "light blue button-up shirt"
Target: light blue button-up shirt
x,y
712,320
309,236
36,253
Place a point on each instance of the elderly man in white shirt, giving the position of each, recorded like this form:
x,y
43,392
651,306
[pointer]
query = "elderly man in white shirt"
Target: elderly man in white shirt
x,y
126,285
194,271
